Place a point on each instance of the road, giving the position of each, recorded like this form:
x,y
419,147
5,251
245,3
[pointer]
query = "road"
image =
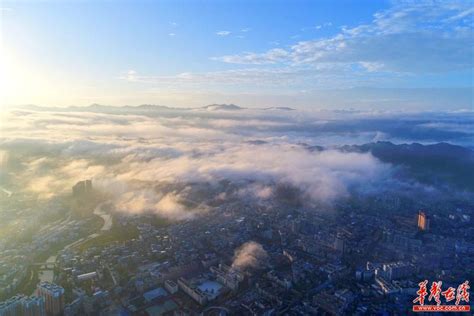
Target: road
x,y
9,193
106,217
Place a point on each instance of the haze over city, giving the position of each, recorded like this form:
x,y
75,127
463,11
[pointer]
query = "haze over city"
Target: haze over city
x,y
236,157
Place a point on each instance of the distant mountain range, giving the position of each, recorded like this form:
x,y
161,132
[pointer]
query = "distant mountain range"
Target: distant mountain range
x,y
222,107
282,108
439,163
145,108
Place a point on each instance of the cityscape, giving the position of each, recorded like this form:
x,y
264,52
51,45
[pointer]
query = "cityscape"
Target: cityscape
x,y
320,175
244,244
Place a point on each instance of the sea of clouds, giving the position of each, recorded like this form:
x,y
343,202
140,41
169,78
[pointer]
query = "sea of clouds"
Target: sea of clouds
x,y
150,159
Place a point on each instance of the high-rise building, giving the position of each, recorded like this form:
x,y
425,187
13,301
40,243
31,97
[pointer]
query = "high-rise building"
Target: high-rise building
x,y
339,244
423,221
82,188
397,270
33,306
23,305
53,296
12,306
88,185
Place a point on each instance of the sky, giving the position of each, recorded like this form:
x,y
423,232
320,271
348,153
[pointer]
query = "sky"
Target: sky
x,y
411,55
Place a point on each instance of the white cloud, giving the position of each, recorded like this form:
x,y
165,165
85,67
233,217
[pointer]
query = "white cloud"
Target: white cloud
x,y
410,37
130,75
193,146
372,66
273,56
291,78
317,27
249,255
129,152
223,33
462,15
167,205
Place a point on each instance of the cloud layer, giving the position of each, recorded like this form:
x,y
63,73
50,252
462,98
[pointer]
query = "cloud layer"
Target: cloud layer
x,y
177,162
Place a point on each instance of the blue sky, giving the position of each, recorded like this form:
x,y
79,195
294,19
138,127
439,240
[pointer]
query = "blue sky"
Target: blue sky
x,y
321,54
